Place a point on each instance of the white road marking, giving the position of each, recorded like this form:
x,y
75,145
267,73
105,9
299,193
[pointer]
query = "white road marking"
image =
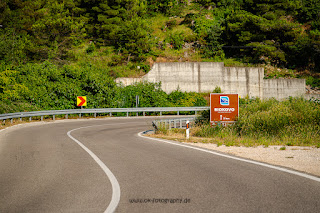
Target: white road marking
x,y
237,158
114,182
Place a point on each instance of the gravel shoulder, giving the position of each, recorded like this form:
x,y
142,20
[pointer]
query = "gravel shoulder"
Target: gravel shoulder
x,y
304,159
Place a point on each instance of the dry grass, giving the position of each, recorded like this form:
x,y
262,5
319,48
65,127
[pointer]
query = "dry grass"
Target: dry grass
x,y
227,138
294,122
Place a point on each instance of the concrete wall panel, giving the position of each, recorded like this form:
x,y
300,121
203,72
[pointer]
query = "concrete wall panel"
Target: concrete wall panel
x,y
283,88
205,76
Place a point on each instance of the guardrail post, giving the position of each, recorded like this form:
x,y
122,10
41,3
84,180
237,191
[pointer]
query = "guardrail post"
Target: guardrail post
x,y
11,120
30,118
137,113
175,124
21,119
127,114
178,113
66,116
4,121
54,117
187,130
95,115
80,115
144,113
110,114
180,123
41,117
195,112
160,113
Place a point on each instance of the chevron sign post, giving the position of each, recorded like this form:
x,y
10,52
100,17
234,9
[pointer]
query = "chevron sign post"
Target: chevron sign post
x,y
81,101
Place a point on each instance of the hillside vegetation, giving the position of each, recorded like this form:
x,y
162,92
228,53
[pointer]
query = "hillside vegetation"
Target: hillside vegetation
x,y
54,50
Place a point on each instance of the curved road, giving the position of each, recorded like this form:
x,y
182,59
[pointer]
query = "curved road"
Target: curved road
x,y
76,166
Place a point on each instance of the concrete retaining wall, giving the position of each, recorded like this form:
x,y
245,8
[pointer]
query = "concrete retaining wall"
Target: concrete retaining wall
x,y
189,77
128,81
205,76
245,81
284,88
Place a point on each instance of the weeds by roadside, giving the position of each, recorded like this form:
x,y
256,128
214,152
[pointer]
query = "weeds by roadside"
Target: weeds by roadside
x,y
293,122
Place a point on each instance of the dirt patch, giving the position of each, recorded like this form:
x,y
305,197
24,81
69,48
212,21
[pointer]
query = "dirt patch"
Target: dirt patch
x,y
304,159
300,158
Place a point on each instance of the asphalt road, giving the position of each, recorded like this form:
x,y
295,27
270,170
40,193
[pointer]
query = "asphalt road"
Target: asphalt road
x,y
43,168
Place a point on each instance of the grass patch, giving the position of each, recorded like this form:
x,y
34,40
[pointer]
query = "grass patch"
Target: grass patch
x,y
294,121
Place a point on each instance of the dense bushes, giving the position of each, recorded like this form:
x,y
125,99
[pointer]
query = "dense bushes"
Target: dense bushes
x,y
293,117
46,86
290,122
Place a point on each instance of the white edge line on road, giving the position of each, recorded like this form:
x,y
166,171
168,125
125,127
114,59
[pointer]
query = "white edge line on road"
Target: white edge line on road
x,y
235,158
114,182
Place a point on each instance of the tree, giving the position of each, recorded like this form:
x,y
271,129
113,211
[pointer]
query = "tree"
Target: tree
x,y
107,17
46,28
309,11
167,7
13,46
266,35
56,30
135,38
213,43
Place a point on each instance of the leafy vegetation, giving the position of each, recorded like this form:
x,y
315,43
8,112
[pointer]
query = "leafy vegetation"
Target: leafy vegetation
x,y
291,122
47,86
281,32
288,123
53,50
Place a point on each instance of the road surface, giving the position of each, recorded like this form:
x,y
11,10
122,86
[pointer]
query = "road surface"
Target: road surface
x,y
102,165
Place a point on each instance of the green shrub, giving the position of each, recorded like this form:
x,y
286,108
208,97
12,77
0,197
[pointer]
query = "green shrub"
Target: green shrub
x,y
171,24
91,48
312,81
176,39
203,117
293,118
217,90
186,99
207,130
291,122
217,131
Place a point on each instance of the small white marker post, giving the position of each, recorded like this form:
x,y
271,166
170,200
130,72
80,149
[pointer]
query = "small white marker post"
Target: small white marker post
x,y
187,130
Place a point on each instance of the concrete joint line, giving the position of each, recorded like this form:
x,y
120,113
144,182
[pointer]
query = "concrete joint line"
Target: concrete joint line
x,y
311,177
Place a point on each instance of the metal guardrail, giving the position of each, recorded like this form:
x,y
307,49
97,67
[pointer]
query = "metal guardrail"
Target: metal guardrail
x,y
21,115
172,123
